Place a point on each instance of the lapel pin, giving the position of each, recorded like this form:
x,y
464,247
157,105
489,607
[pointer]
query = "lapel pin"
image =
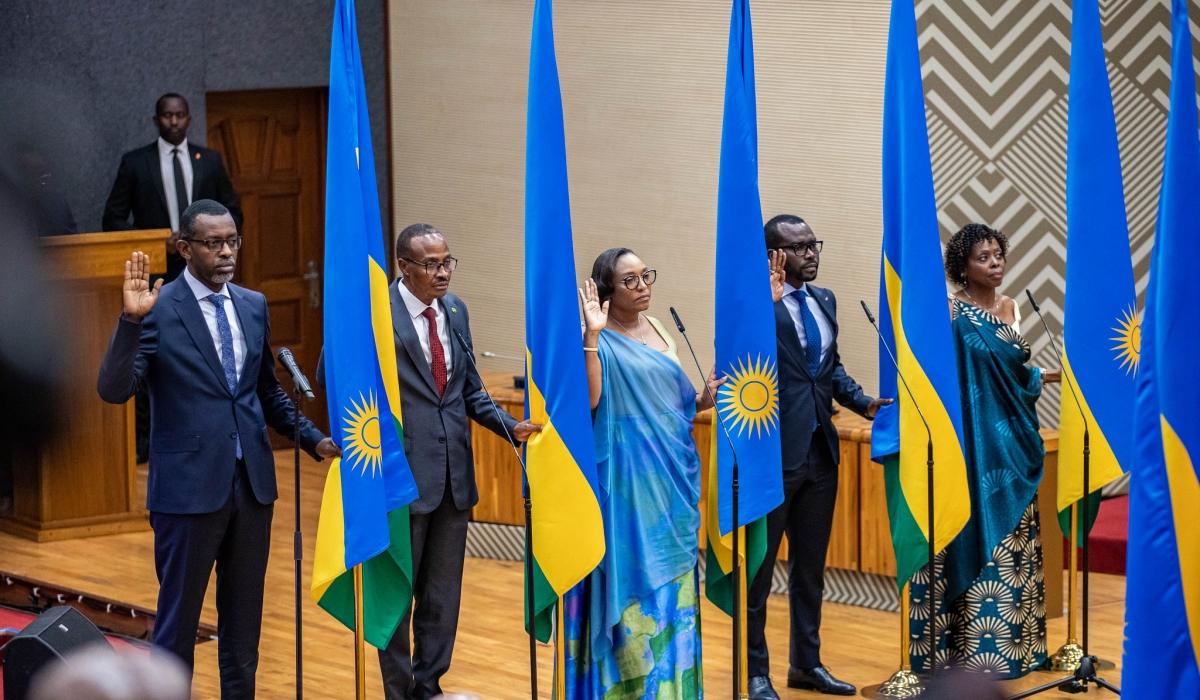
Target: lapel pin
x,y
197,156
453,309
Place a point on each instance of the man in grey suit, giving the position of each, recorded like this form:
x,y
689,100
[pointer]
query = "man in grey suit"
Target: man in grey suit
x,y
440,391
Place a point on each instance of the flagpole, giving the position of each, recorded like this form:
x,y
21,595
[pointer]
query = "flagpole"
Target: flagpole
x,y
560,652
1068,656
744,656
360,642
903,683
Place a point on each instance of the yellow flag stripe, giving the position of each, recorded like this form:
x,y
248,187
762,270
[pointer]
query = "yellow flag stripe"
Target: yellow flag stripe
x,y
385,347
952,506
329,560
1102,466
722,546
568,529
1185,503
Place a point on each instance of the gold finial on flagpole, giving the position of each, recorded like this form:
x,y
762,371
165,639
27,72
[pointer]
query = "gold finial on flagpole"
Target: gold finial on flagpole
x,y
360,643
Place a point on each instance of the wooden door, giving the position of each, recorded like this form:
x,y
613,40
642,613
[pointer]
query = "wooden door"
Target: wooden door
x,y
273,144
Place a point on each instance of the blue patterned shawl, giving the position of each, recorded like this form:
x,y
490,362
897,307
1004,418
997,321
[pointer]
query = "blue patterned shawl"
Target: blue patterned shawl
x,y
1004,451
650,472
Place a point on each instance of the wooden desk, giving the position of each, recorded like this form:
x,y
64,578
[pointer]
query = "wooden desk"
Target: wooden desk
x,y
861,539
85,483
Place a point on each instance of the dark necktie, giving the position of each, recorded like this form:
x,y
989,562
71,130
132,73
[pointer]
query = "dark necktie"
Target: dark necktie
x,y
438,362
181,196
812,333
225,333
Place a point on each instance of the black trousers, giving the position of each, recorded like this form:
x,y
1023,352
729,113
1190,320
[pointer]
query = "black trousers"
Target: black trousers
x,y
806,514
237,538
412,671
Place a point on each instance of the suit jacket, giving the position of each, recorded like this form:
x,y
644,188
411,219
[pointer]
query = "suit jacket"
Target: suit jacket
x,y
803,397
138,190
194,418
437,437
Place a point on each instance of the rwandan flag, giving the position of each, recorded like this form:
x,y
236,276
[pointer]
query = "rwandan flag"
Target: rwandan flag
x,y
745,336
1101,326
568,529
914,317
364,509
1162,594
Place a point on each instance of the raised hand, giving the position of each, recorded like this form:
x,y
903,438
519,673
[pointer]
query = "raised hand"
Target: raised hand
x,y
775,259
136,295
595,314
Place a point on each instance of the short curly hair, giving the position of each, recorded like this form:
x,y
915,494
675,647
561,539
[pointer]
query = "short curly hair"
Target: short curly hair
x,y
958,249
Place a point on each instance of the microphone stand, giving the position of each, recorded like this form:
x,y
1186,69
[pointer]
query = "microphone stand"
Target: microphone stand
x,y
931,553
1086,672
529,602
300,389
736,571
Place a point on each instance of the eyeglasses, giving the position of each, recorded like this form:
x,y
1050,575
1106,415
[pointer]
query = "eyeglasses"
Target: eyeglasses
x,y
432,268
215,244
631,281
799,249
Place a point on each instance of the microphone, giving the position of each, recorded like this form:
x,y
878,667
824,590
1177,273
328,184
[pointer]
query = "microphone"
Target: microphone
x,y
467,351
871,318
289,363
1058,356
717,413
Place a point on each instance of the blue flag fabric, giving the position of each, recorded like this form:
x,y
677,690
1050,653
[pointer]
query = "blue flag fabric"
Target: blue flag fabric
x,y
1101,326
745,316
1162,598
914,319
360,370
568,527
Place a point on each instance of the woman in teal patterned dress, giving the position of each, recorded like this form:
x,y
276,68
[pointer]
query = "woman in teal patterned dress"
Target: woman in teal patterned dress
x,y
633,626
992,606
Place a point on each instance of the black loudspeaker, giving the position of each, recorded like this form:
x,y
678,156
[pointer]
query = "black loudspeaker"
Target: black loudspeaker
x,y
55,633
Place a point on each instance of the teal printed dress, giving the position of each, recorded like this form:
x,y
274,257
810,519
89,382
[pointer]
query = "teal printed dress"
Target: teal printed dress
x,y
632,627
991,610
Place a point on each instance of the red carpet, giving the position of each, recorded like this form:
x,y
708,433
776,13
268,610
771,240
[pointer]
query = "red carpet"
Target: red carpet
x,y
16,619
1109,536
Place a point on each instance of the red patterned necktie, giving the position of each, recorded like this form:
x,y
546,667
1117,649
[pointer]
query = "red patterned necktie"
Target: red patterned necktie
x,y
438,364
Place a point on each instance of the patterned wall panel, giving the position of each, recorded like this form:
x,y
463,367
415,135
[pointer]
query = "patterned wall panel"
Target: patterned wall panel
x,y
996,75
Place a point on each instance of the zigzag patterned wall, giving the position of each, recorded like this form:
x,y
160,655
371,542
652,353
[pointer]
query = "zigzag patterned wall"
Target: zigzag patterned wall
x,y
996,102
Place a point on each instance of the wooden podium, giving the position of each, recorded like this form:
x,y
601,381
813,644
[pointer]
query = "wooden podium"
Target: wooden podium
x,y
84,483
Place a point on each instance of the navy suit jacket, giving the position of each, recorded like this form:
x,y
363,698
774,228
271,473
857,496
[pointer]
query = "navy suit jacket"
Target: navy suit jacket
x,y
803,397
194,418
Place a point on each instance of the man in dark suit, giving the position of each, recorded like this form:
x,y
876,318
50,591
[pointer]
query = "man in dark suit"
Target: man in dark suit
x,y
202,348
810,377
157,182
440,391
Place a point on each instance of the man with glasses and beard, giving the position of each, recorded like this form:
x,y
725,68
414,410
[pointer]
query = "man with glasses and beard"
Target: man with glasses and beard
x,y
202,348
810,377
439,391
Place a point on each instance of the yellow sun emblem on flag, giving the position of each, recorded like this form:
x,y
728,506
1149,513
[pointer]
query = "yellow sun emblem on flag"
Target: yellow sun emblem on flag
x,y
750,399
361,441
1129,340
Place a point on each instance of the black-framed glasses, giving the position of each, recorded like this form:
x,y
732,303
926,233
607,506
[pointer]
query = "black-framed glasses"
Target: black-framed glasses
x,y
431,268
799,249
216,244
631,281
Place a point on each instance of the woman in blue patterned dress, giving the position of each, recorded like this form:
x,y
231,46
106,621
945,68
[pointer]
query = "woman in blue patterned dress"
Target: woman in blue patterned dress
x,y
992,606
633,626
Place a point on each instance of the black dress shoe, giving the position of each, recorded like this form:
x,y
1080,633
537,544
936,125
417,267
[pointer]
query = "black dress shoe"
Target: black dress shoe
x,y
760,688
817,679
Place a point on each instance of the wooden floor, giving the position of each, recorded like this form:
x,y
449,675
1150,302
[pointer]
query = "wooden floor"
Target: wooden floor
x,y
859,645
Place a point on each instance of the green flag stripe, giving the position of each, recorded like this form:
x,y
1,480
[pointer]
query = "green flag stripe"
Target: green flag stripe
x,y
718,584
1064,518
910,545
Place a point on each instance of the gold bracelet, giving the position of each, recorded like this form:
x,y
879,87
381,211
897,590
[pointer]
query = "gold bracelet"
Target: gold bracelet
x,y
587,349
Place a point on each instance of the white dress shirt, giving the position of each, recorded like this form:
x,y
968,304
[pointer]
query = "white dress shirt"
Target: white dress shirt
x,y
416,307
793,306
166,159
210,318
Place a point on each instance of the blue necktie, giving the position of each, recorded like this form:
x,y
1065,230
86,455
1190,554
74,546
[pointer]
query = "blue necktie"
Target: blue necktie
x,y
812,333
226,333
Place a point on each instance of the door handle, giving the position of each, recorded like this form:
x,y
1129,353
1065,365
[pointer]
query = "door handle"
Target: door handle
x,y
314,284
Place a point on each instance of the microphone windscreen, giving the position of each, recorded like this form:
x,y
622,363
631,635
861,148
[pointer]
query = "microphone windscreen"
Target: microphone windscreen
x,y
678,323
